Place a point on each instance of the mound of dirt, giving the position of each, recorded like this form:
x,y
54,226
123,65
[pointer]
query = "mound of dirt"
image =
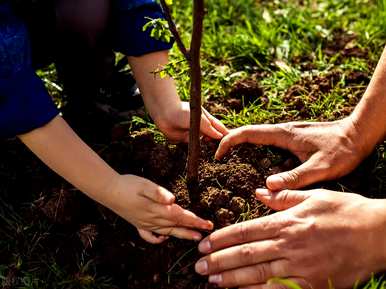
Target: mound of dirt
x,y
226,195
242,94
63,228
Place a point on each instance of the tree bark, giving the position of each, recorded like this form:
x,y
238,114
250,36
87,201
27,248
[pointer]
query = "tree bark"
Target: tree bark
x,y
193,58
195,97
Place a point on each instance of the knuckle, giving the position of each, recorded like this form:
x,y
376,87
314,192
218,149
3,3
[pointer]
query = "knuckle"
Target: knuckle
x,y
280,268
158,194
225,142
311,226
284,195
231,279
243,232
214,264
263,272
287,128
287,222
247,253
292,177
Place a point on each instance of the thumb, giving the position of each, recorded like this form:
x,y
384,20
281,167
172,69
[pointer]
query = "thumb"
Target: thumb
x,y
304,175
159,195
282,200
208,129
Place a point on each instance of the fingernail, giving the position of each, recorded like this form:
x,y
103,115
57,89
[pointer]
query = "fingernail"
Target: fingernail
x,y
202,267
263,192
209,226
275,182
197,237
205,246
215,278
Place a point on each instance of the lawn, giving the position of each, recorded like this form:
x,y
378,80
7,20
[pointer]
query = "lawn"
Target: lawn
x,y
263,62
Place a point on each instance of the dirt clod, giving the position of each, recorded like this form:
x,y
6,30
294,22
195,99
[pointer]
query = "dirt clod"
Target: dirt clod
x,y
237,205
224,217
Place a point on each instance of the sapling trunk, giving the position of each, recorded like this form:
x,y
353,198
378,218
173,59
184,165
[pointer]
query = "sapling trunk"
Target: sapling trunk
x,y
193,58
195,97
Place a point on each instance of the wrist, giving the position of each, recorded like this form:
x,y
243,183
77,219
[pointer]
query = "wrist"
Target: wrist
x,y
169,116
378,208
359,134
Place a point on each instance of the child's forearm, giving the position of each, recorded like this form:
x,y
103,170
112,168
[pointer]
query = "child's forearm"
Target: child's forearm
x,y
57,145
370,114
159,94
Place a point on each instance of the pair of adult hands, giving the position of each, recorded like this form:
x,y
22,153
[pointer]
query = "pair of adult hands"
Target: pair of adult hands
x,y
319,237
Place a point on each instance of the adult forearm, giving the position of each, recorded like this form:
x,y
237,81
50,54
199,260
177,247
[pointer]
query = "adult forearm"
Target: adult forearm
x,y
57,145
370,113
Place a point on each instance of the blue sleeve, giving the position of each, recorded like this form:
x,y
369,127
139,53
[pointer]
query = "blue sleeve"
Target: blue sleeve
x,y
24,101
129,37
131,4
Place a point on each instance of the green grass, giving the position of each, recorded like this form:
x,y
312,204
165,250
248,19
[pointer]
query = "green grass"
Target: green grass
x,y
242,38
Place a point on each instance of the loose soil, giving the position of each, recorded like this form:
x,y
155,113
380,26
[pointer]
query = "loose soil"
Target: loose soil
x,y
45,223
66,227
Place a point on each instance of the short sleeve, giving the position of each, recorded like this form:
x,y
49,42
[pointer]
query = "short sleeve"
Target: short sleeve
x,y
24,101
129,37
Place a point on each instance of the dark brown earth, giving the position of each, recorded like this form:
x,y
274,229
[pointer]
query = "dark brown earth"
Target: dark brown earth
x,y
243,93
45,222
312,88
50,228
80,227
298,98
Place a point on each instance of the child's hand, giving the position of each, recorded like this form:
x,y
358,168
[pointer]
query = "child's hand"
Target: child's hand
x,y
151,209
144,204
175,124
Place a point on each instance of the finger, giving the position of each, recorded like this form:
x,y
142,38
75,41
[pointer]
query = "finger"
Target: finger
x,y
254,230
207,128
256,134
238,256
181,233
282,200
159,195
151,238
217,124
304,175
183,218
256,274
288,283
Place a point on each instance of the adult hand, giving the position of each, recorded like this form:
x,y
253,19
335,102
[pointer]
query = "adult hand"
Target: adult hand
x,y
327,150
321,236
175,124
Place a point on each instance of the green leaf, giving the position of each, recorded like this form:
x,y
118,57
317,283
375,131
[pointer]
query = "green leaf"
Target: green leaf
x,y
290,284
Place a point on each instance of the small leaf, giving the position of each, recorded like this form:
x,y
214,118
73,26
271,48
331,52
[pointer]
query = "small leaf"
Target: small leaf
x,y
288,283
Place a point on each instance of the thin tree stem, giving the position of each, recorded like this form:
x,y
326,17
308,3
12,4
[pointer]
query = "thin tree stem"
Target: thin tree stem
x,y
174,31
195,96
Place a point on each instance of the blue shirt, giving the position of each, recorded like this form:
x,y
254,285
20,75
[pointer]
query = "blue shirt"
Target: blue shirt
x,y
24,102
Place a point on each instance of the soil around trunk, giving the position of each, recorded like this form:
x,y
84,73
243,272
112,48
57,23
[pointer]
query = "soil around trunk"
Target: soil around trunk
x,y
65,224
